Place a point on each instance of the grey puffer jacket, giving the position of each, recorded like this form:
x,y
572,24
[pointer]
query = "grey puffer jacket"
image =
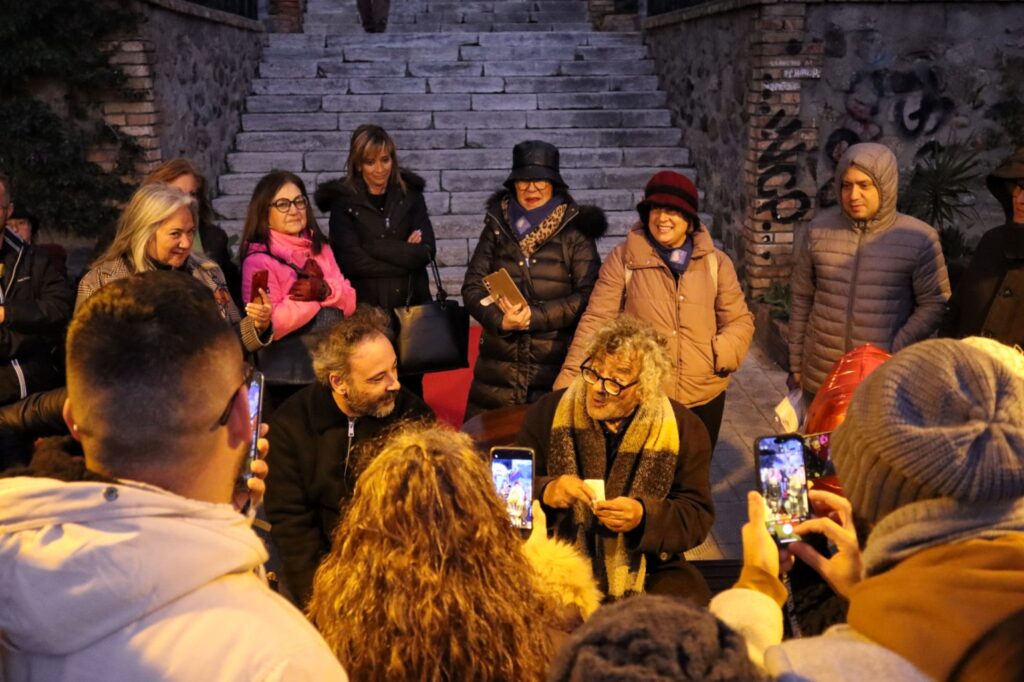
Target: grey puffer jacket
x,y
882,281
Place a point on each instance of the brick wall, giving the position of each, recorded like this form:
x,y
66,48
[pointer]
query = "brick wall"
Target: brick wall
x,y
188,70
780,143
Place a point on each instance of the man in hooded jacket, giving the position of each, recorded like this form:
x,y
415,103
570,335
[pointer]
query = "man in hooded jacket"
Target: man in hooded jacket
x,y
140,566
989,300
864,273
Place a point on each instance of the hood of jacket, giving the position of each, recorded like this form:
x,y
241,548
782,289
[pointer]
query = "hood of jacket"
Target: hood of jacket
x,y
80,561
932,606
590,220
1000,180
330,192
879,163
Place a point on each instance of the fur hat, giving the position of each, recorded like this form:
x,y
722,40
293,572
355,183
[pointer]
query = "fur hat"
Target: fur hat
x,y
653,638
942,418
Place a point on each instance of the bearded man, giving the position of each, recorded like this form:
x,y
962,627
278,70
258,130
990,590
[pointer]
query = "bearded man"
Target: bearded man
x,y
317,437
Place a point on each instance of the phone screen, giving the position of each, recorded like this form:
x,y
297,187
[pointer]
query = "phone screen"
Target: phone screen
x,y
512,473
255,414
783,481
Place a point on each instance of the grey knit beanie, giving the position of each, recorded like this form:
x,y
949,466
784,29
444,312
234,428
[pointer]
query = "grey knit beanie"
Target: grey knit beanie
x,y
942,418
653,638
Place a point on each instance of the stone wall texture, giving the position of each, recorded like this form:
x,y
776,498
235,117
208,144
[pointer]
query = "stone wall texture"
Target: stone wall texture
x,y
909,75
701,65
769,94
203,64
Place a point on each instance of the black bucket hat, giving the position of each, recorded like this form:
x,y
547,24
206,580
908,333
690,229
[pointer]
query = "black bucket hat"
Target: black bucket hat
x,y
534,160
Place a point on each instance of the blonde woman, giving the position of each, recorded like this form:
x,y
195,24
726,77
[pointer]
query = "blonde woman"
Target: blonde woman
x,y
210,239
427,579
155,232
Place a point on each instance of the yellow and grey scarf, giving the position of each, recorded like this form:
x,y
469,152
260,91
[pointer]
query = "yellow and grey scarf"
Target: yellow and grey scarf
x,y
643,466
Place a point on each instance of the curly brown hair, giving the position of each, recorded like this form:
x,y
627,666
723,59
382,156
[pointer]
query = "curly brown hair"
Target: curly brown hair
x,y
426,579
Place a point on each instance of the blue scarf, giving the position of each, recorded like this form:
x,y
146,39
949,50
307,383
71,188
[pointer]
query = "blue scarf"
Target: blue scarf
x,y
677,259
523,221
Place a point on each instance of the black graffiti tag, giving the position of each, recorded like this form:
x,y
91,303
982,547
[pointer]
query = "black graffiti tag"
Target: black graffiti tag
x,y
778,161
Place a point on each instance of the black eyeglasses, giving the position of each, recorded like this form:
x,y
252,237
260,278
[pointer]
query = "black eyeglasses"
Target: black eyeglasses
x,y
609,386
284,205
226,414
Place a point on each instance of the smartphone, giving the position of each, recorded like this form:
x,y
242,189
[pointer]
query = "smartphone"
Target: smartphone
x,y
255,415
512,473
782,478
260,280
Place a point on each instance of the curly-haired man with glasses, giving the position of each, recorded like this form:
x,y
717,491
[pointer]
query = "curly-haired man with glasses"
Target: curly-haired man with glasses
x,y
614,425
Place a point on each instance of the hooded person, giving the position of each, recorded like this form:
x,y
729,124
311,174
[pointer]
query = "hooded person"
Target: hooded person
x,y
864,272
930,458
989,300
547,243
134,561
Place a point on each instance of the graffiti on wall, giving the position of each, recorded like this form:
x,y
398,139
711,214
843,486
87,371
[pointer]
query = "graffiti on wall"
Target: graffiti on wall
x,y
777,171
908,103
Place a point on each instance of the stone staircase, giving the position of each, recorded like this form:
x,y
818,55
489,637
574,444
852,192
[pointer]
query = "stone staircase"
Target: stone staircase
x,y
458,84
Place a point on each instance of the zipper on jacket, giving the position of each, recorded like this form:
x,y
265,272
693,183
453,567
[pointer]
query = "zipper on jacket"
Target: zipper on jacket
x,y
348,449
853,291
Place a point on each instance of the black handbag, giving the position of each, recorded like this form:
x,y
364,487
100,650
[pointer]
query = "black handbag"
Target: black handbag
x,y
434,336
287,360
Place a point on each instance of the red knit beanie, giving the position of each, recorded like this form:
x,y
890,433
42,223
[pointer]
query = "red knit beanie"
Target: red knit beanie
x,y
668,189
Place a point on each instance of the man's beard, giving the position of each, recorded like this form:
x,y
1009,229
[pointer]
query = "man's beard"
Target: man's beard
x,y
372,407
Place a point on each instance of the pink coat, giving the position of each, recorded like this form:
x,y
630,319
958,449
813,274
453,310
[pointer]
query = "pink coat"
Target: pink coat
x,y
289,315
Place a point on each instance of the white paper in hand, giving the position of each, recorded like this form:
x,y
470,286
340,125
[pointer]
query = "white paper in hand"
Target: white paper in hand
x,y
597,485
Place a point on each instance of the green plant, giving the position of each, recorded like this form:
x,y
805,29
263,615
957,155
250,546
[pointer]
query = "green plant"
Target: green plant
x,y
778,297
940,193
52,70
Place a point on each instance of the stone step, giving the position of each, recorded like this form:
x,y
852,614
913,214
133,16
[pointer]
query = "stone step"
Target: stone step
x,y
445,62
457,184
292,121
291,141
465,159
347,103
299,44
423,24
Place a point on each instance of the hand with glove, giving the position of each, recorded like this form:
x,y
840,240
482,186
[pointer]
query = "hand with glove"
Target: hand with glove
x,y
309,289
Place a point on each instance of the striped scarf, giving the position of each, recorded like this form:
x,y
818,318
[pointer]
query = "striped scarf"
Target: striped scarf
x,y
643,466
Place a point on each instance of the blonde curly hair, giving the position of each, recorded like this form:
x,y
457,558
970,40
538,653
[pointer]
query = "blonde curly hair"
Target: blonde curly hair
x,y
633,338
426,579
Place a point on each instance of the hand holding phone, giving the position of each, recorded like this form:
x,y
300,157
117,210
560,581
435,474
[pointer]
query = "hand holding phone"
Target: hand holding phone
x,y
782,479
259,282
255,415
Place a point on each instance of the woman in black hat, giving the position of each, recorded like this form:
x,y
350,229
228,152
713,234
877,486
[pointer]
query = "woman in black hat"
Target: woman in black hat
x,y
547,243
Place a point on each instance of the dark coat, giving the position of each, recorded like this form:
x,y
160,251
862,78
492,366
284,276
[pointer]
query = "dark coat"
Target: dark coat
x,y
313,470
518,367
215,246
671,526
989,300
37,303
370,245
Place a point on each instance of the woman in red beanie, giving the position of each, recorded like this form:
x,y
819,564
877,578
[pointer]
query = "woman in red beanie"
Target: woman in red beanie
x,y
668,273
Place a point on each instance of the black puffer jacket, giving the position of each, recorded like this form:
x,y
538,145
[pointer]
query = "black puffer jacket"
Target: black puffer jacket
x,y
518,367
370,245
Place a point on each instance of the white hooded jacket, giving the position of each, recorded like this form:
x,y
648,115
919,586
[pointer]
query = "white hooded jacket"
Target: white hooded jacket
x,y
130,582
